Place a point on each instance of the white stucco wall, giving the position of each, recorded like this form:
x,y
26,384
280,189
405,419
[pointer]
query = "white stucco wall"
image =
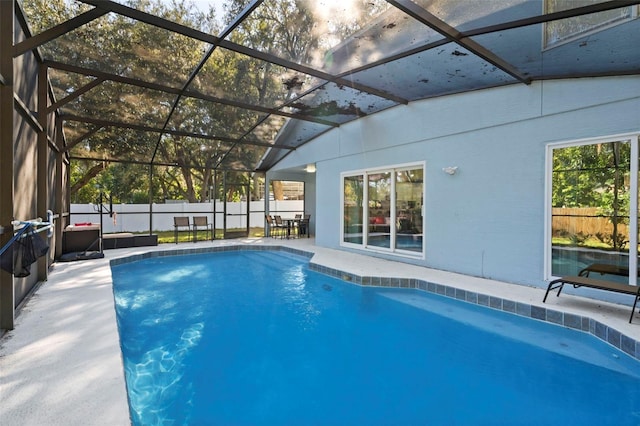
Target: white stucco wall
x,y
488,219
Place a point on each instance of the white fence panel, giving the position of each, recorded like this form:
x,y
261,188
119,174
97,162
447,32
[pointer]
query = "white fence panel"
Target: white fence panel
x,y
135,217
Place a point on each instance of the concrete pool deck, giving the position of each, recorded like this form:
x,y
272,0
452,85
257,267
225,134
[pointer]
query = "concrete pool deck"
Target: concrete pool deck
x,y
62,364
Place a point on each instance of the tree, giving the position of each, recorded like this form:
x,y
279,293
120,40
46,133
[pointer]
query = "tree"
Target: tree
x,y
122,46
594,176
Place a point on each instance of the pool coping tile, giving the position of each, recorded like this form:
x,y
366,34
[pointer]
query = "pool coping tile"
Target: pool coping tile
x,y
580,323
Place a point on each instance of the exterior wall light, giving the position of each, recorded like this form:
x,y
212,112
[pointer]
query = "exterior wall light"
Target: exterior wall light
x,y
451,170
311,168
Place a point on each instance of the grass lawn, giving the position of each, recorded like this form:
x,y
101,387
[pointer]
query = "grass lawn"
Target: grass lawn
x,y
591,243
183,237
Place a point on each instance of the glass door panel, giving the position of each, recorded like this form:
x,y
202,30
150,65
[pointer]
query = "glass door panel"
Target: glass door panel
x,y
353,209
380,219
590,210
409,189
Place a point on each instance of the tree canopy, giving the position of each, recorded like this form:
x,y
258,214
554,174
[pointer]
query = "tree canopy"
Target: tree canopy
x,y
184,165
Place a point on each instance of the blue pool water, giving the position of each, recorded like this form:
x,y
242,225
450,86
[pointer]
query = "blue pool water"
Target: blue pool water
x,y
256,338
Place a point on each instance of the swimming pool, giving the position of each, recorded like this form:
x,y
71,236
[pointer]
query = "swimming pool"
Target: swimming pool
x,y
258,338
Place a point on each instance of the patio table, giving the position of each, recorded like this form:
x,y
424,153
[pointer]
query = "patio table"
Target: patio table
x,y
290,223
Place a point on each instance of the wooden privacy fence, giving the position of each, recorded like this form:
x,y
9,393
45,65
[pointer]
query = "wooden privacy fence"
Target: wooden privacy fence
x,y
584,221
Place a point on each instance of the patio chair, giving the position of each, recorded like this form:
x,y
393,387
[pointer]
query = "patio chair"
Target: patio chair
x,y
296,223
179,224
280,226
200,222
303,226
271,226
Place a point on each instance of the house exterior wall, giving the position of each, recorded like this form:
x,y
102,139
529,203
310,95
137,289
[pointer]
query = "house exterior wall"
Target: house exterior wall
x,y
488,219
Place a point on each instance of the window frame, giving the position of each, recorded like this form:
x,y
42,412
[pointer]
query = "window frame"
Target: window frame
x,y
547,45
634,141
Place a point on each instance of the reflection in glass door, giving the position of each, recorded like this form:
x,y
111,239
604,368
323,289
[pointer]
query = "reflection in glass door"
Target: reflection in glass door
x,y
381,218
352,209
590,210
409,187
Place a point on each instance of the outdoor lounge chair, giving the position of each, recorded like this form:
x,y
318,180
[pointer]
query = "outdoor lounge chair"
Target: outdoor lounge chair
x,y
578,281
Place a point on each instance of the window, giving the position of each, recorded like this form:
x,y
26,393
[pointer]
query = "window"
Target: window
x,y
593,215
382,209
564,30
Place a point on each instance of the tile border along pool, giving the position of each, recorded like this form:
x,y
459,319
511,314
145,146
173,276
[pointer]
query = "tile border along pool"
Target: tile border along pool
x,y
578,322
63,365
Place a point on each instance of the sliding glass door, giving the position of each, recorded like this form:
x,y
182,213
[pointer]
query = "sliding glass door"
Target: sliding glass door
x,y
383,210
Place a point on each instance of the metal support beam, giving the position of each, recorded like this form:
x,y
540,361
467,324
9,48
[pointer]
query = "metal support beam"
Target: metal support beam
x,y
65,214
212,198
52,144
208,38
42,179
547,17
455,36
59,189
150,199
107,123
186,93
7,292
198,67
267,57
146,163
52,33
76,141
156,21
81,91
26,113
